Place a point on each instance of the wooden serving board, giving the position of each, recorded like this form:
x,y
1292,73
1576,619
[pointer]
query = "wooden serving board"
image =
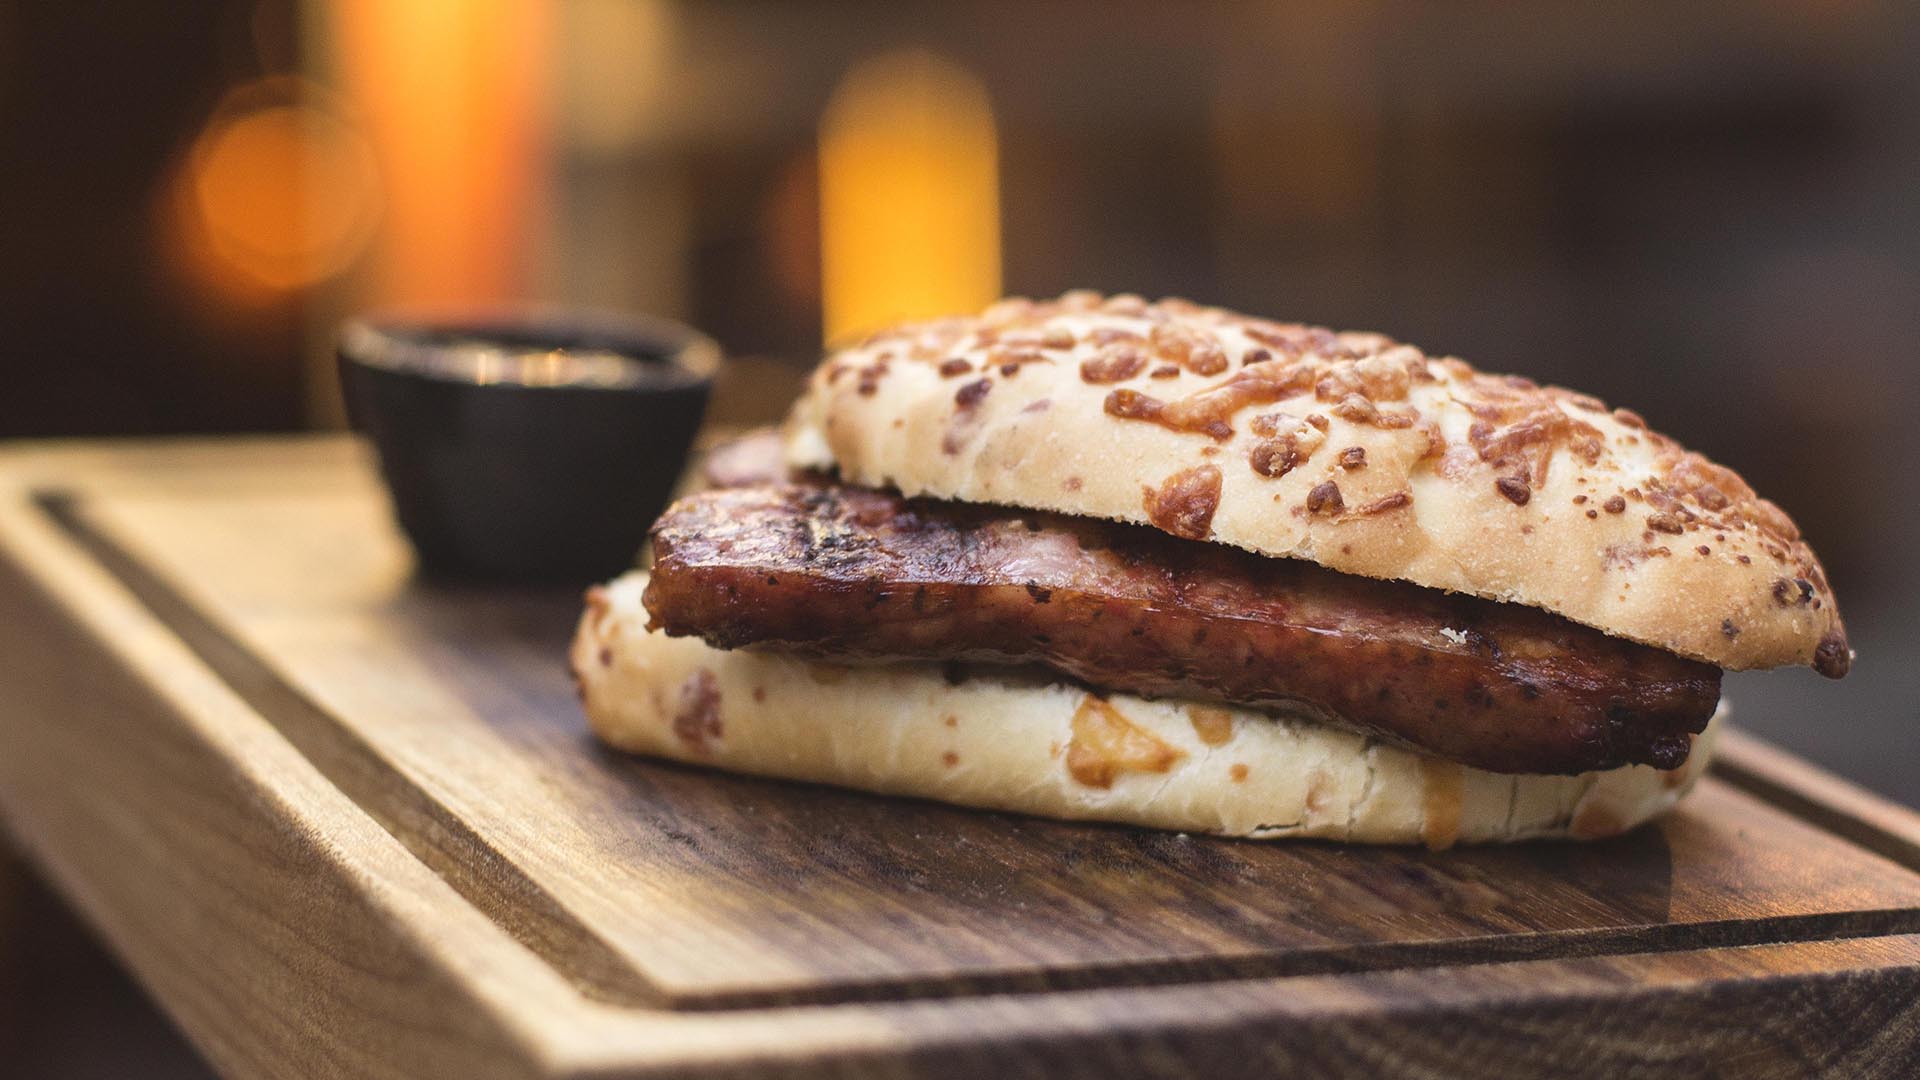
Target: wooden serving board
x,y
341,822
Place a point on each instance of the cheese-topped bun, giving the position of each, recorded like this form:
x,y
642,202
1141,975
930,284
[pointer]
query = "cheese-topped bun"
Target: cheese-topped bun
x,y
1023,742
1347,449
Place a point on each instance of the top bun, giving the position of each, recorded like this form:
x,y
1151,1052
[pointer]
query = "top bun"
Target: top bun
x,y
1346,449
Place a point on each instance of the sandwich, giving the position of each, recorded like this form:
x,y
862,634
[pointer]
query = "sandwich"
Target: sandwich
x,y
1170,566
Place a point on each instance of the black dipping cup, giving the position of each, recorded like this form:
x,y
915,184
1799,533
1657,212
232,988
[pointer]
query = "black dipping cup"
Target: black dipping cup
x,y
528,447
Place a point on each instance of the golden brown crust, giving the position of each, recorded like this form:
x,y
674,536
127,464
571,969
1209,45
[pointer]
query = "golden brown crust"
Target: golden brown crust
x,y
1026,744
1346,449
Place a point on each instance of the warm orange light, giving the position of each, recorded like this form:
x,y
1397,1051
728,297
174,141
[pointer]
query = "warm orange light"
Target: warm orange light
x,y
277,196
616,71
909,194
452,93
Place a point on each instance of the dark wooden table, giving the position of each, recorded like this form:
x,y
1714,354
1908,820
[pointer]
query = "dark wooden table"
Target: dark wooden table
x,y
345,823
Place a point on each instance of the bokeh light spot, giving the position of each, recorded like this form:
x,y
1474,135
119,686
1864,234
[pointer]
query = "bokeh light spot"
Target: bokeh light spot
x,y
909,194
280,196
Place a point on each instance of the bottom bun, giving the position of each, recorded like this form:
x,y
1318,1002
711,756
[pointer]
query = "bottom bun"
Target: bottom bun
x,y
1010,740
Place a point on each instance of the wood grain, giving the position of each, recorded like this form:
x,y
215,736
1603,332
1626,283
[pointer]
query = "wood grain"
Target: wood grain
x,y
295,785
1820,797
181,853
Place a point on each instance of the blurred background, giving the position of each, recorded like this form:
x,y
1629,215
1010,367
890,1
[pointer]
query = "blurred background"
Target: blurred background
x,y
1706,211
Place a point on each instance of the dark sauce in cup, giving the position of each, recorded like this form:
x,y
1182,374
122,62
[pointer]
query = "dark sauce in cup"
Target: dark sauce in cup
x,y
532,446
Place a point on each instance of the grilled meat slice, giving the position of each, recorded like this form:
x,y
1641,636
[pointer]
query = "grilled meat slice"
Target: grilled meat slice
x,y
852,574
